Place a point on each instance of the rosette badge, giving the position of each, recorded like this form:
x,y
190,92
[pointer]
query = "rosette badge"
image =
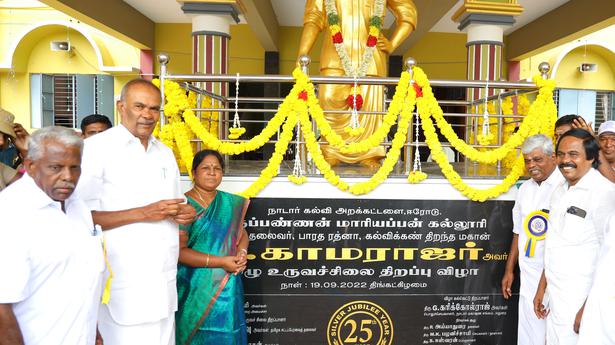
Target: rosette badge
x,y
536,226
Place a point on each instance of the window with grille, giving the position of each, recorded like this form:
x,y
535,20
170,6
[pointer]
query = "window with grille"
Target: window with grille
x,y
65,99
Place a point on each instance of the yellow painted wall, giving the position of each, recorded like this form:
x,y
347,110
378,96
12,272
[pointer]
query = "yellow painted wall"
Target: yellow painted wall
x,y
31,30
14,22
569,76
290,37
15,95
43,60
175,40
246,55
441,55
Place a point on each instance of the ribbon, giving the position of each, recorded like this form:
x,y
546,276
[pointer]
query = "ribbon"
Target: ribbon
x,y
536,225
107,292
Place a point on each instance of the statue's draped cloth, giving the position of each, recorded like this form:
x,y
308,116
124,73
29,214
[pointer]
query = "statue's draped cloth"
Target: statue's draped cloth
x,y
354,16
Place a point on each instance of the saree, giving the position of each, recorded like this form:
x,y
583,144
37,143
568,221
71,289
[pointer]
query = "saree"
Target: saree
x,y
210,300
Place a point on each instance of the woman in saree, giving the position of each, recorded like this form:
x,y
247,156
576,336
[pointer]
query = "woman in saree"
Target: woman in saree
x,y
211,259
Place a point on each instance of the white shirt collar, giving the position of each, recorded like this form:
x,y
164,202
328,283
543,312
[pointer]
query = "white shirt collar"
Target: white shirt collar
x,y
37,198
586,181
554,179
123,135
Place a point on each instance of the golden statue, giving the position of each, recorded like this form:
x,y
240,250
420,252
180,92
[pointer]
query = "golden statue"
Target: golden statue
x,y
354,23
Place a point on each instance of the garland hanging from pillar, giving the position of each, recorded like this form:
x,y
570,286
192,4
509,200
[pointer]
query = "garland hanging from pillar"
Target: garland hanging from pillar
x,y
300,108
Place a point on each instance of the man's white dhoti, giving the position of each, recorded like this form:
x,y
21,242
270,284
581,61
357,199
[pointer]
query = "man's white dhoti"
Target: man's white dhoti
x,y
151,333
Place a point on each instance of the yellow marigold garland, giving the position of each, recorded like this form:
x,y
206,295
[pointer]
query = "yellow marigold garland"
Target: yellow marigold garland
x,y
416,176
272,168
212,142
531,124
236,132
298,180
209,119
334,139
311,143
407,106
523,105
508,130
392,156
404,101
547,112
353,132
181,135
166,136
431,138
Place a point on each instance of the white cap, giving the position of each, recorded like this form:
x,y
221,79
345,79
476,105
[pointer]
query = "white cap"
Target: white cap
x,y
607,126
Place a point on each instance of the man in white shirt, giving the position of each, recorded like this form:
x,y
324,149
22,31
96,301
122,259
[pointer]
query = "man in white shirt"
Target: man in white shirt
x,y
606,138
131,183
597,324
51,259
578,217
530,227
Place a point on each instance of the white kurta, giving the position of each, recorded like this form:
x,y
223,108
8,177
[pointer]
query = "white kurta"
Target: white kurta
x,y
571,249
598,322
51,265
119,174
531,197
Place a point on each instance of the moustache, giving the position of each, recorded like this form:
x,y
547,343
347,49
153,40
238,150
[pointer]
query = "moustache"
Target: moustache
x,y
567,165
68,185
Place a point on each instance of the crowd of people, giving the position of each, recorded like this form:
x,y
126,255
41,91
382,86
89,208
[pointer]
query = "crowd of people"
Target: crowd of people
x,y
563,237
58,267
167,269
13,143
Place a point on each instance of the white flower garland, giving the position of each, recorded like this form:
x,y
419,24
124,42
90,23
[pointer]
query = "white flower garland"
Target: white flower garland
x,y
368,54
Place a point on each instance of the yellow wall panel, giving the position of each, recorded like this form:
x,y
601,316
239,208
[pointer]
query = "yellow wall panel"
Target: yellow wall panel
x,y
569,76
441,55
246,55
175,40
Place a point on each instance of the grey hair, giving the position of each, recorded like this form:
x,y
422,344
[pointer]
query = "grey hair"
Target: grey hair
x,y
538,141
134,82
38,140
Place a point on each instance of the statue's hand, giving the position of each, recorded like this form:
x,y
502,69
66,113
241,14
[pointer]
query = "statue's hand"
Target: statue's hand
x,y
385,45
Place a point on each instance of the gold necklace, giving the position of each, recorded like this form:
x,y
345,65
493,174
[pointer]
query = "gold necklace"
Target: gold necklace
x,y
204,203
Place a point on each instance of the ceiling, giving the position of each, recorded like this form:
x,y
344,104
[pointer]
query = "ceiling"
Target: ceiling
x,y
532,9
21,4
290,12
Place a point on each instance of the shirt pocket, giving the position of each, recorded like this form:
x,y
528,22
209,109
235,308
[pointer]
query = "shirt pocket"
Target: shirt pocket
x,y
577,230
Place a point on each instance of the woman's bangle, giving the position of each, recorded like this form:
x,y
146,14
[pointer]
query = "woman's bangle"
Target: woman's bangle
x,y
207,261
244,250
